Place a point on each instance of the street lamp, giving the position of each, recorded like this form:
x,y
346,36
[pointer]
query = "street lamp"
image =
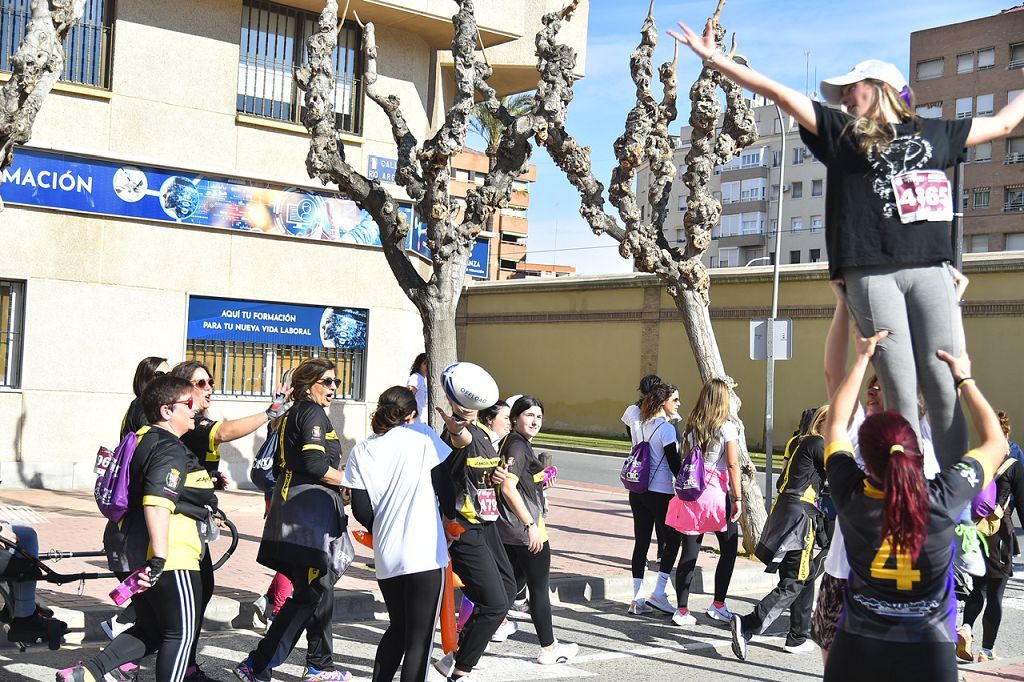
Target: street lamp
x,y
769,399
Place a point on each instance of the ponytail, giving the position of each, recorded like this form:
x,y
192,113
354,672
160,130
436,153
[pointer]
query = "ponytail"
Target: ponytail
x,y
905,519
890,450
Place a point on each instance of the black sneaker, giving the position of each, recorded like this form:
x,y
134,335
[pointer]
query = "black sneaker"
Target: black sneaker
x,y
30,629
196,674
739,638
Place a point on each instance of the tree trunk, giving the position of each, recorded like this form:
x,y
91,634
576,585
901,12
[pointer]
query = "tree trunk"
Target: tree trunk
x,y
437,311
697,321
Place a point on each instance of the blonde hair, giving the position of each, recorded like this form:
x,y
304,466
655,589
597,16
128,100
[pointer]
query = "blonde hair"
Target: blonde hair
x,y
872,128
817,422
709,414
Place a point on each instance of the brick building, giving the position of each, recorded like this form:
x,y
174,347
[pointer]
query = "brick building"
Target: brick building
x,y
973,69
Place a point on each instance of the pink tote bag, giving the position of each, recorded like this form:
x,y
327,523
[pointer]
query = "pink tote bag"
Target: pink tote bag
x,y
706,514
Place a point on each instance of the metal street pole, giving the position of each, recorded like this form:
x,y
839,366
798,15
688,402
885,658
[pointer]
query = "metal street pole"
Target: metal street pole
x,y
769,399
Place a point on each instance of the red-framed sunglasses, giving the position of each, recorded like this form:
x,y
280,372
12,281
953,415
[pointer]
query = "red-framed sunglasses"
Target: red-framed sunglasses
x,y
187,403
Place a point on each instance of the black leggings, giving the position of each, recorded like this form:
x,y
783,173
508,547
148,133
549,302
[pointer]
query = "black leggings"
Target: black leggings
x,y
728,545
164,623
987,592
537,568
852,657
309,609
414,602
206,583
480,560
649,510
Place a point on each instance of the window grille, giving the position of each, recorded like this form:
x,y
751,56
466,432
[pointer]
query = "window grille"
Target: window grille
x,y
273,45
88,48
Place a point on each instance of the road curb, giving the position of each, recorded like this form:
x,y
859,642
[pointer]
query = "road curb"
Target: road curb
x,y
237,612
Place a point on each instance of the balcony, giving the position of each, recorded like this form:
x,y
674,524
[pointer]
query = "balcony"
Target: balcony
x,y
742,240
1014,157
1015,206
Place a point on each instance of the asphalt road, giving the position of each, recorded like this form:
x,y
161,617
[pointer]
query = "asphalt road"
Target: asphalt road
x,y
612,646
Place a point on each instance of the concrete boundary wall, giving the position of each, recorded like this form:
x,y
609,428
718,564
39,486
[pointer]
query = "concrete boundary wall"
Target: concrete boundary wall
x,y
581,344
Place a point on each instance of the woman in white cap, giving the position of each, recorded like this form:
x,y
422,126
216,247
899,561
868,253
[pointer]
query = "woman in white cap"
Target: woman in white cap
x,y
887,213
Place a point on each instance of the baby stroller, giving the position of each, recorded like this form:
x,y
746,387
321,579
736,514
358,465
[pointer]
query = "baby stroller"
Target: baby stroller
x,y
18,565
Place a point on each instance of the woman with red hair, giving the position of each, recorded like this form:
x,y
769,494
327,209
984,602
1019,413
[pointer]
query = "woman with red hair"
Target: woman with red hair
x,y
898,531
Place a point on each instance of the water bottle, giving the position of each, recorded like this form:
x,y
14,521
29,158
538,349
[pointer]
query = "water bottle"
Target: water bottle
x,y
129,588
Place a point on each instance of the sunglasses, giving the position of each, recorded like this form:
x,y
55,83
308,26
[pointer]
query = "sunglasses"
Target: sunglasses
x,y
187,403
328,382
203,383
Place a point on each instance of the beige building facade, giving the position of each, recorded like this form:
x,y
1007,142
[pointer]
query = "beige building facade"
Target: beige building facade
x,y
163,208
581,344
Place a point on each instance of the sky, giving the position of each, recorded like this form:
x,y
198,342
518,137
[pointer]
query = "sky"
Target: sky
x,y
773,35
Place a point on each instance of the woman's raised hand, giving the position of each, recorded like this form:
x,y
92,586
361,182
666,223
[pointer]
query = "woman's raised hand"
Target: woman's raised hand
x,y
867,346
702,46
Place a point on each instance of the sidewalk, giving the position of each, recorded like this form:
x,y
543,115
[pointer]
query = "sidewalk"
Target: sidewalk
x,y
590,532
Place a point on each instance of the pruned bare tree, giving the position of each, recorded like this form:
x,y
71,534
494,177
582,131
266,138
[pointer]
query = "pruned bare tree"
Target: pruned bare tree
x,y
423,170
646,140
35,67
423,173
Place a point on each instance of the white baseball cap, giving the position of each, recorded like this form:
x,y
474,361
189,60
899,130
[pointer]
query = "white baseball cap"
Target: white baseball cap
x,y
832,88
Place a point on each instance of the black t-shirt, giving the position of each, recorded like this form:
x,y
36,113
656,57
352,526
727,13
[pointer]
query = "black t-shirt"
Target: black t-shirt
x,y
134,419
862,225
889,597
310,442
470,469
526,469
201,440
803,475
158,473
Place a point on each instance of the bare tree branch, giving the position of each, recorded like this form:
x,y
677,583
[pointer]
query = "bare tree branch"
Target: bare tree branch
x,y
36,67
326,158
408,174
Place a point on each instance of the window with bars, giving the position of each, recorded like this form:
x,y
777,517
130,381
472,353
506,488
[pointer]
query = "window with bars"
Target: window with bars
x,y
273,45
255,369
12,320
88,47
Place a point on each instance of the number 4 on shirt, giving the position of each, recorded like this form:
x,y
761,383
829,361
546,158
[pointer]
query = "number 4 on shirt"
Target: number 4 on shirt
x,y
904,574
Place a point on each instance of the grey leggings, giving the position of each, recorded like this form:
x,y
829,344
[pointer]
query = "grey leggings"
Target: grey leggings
x,y
918,305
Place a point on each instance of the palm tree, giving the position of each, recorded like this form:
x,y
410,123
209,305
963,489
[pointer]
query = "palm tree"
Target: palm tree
x,y
489,127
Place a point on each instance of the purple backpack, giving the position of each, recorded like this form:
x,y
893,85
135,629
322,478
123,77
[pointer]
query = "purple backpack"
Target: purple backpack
x,y
636,470
691,480
984,503
113,476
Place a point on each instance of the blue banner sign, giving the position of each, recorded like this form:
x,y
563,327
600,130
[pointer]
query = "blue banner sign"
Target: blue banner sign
x,y
381,168
102,187
224,319
479,257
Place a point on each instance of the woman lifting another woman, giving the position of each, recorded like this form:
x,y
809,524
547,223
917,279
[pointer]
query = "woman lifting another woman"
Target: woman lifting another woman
x,y
898,531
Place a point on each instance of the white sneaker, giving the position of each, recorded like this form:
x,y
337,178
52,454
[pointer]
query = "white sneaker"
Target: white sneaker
x,y
445,665
560,652
804,648
520,610
683,619
113,627
660,602
506,629
637,606
720,613
260,609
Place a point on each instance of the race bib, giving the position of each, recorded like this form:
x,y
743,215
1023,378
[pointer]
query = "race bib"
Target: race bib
x,y
488,499
923,195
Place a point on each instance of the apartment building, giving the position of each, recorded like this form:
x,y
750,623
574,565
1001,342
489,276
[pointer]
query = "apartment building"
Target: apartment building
x,y
163,208
750,190
973,69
